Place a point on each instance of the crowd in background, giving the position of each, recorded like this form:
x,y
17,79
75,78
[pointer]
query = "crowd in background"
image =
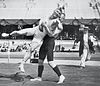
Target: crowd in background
x,y
69,32
13,47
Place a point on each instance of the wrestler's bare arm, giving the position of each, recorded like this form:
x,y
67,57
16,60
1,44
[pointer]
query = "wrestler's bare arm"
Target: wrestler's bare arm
x,y
49,32
58,29
43,24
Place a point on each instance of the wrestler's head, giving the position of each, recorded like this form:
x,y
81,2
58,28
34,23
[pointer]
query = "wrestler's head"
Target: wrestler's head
x,y
62,17
83,28
56,14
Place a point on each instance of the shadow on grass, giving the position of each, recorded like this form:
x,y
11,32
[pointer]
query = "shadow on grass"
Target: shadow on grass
x,y
16,77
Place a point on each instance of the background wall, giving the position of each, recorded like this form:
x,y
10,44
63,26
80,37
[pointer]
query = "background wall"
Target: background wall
x,y
25,9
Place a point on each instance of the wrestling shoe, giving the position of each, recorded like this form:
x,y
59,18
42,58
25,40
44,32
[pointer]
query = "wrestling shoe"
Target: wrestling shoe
x,y
61,79
4,34
36,79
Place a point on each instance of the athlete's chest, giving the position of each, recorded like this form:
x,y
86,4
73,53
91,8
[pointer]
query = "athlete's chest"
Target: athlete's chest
x,y
85,37
52,24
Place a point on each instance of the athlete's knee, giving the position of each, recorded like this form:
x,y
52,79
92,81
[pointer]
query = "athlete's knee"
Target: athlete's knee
x,y
40,62
52,64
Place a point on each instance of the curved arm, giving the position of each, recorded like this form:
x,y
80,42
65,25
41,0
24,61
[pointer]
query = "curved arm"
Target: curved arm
x,y
43,24
57,30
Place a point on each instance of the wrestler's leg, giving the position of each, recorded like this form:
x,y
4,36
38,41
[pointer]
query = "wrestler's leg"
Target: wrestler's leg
x,y
88,56
28,55
42,55
51,62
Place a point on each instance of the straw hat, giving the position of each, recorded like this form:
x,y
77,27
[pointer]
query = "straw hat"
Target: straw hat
x,y
83,27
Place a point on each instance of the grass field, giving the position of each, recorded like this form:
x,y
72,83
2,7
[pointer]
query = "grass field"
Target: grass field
x,y
68,64
90,76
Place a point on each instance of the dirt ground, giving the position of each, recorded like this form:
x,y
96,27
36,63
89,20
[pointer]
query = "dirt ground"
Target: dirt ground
x,y
89,76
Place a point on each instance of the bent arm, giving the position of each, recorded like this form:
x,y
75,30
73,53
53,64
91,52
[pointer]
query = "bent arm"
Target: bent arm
x,y
57,30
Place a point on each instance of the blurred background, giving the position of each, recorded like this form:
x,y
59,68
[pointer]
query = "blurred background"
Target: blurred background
x,y
21,14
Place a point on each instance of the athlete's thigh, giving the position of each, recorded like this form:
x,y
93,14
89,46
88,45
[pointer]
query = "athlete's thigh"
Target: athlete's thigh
x,y
30,31
50,49
42,52
34,45
50,55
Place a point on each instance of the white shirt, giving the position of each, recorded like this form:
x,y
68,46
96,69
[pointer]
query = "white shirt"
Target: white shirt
x,y
85,38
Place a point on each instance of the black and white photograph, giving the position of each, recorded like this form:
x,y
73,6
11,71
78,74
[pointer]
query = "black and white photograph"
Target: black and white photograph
x,y
49,42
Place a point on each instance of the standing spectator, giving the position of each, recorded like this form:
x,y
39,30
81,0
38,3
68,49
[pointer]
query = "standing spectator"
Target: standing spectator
x,y
86,45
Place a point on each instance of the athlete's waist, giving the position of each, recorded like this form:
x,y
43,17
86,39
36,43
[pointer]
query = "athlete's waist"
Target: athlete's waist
x,y
36,40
